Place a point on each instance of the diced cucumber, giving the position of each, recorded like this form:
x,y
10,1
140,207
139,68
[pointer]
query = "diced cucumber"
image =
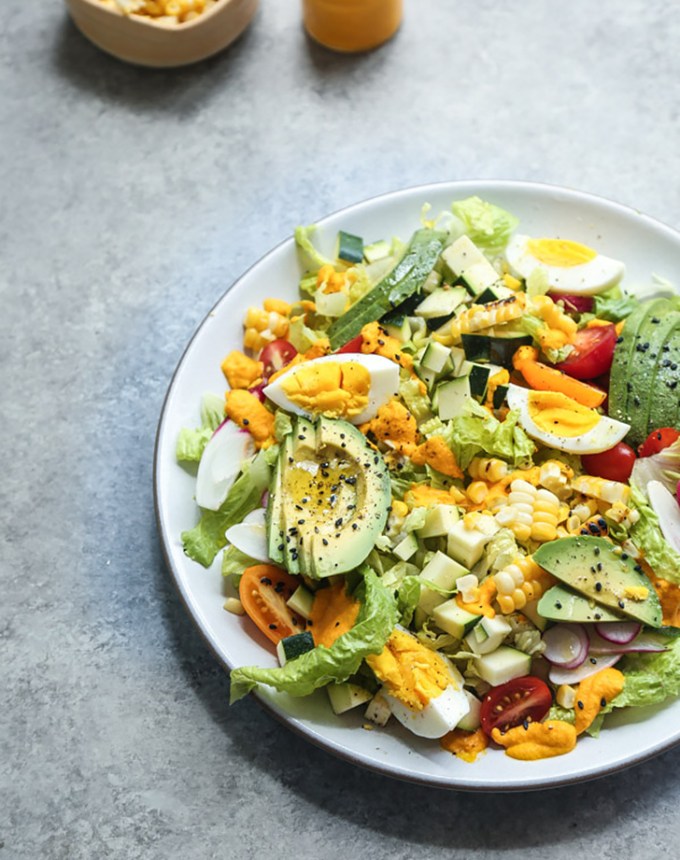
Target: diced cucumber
x,y
452,619
401,331
479,277
488,635
479,379
407,547
451,397
429,377
502,665
493,348
377,251
438,521
494,293
432,281
291,647
531,611
442,301
350,247
466,545
378,711
500,395
443,572
461,255
344,697
471,721
435,356
460,363
301,601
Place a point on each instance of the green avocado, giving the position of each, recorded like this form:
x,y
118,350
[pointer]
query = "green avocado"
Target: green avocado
x,y
625,349
562,604
594,567
329,500
642,387
665,405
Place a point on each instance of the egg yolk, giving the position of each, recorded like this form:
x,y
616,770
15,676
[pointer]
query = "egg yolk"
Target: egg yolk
x,y
410,672
559,415
334,389
562,253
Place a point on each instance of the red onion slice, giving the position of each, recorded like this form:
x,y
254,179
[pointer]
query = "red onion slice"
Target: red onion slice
x,y
566,645
574,304
619,632
559,675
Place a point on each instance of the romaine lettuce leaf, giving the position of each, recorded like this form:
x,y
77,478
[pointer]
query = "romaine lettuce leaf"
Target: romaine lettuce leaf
x,y
300,677
234,562
476,431
206,539
647,536
664,467
487,225
614,306
650,678
312,259
191,443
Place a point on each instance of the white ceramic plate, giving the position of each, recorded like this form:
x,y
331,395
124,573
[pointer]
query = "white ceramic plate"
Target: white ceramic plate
x,y
645,245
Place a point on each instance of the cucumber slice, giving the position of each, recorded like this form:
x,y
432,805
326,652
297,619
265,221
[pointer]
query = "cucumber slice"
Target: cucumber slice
x,y
435,356
453,619
451,396
350,247
344,697
293,646
502,665
443,572
441,302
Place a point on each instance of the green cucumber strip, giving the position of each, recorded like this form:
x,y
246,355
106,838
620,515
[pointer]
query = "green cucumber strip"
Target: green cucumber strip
x,y
350,247
403,281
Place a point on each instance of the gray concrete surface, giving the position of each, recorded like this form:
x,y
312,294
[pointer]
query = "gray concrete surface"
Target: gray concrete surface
x,y
131,199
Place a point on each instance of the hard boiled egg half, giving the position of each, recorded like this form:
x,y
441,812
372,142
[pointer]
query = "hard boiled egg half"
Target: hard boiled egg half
x,y
351,386
562,423
422,688
571,268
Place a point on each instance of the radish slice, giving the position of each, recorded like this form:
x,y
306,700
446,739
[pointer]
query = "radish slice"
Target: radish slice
x,y
220,464
645,642
559,675
566,645
619,632
667,510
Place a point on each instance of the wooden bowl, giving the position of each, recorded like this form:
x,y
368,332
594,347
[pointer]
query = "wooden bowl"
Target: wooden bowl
x,y
138,39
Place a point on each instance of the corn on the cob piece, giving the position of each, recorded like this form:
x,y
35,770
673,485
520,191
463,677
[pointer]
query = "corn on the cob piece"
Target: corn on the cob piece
x,y
555,476
479,317
600,488
622,515
530,513
552,315
263,326
595,526
487,469
520,582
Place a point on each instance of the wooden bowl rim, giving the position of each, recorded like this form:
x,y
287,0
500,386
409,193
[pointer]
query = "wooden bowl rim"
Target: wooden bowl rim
x,y
145,21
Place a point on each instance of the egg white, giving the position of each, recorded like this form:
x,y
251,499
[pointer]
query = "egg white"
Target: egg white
x,y
603,436
586,279
440,715
383,387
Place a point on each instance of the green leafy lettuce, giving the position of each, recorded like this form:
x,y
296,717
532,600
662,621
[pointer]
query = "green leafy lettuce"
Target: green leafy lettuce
x,y
647,536
476,432
614,306
300,677
487,225
206,539
234,562
312,259
191,443
663,467
650,678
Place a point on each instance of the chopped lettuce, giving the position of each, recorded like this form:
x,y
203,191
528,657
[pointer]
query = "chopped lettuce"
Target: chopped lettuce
x,y
647,536
312,259
663,467
408,595
614,306
234,562
487,225
300,677
476,431
538,283
191,443
206,539
650,678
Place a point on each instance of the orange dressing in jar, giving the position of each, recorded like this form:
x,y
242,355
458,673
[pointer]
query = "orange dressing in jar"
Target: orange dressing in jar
x,y
352,25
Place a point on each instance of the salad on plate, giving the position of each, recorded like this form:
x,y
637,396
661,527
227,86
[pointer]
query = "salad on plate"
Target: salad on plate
x,y
444,484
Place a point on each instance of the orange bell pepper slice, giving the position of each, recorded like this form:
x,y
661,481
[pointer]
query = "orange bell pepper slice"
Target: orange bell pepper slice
x,y
540,377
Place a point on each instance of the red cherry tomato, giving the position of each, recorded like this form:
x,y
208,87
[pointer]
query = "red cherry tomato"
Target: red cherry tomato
x,y
592,354
616,464
353,345
658,440
276,355
510,704
574,304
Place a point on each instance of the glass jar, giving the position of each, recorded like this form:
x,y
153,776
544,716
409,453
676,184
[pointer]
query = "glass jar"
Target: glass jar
x,y
352,25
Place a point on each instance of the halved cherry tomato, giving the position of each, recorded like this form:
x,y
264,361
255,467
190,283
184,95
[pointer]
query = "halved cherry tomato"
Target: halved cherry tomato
x,y
353,345
616,464
658,440
512,703
574,304
263,591
592,354
276,355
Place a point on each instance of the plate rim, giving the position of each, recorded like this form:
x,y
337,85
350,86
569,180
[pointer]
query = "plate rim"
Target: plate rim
x,y
292,723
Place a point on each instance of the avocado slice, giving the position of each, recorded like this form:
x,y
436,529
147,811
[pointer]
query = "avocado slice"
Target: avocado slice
x,y
594,567
642,388
562,604
333,494
665,404
625,350
273,523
